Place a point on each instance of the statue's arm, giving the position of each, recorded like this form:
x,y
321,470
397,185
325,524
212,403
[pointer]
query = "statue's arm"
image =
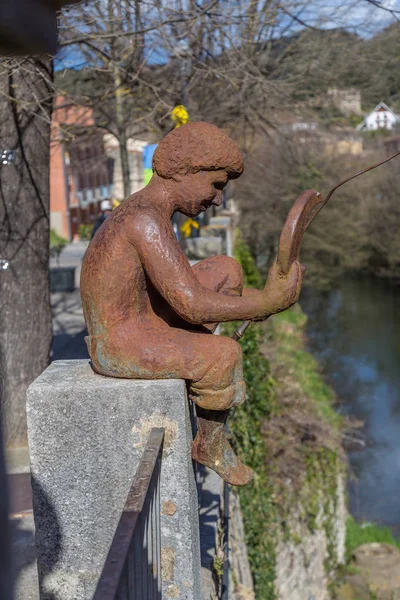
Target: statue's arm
x,y
170,273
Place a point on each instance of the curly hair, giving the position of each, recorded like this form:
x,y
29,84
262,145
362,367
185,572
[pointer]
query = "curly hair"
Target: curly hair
x,y
194,147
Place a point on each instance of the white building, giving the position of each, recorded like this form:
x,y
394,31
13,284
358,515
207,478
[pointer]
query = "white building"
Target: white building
x,y
382,117
135,157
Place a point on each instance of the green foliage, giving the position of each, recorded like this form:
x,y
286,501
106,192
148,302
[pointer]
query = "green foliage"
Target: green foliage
x,y
85,232
302,365
245,258
365,533
57,244
218,566
257,499
355,120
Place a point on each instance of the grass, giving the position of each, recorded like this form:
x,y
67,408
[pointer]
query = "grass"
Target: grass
x,y
287,334
365,533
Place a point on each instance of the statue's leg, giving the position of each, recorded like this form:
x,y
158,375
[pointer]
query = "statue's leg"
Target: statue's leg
x,y
220,389
210,447
212,366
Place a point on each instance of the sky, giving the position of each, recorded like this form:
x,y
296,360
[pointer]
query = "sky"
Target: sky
x,y
358,16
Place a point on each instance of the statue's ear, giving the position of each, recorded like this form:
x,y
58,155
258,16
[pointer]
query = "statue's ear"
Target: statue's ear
x,y
178,177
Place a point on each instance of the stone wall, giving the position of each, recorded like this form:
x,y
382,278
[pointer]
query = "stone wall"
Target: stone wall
x,y
304,561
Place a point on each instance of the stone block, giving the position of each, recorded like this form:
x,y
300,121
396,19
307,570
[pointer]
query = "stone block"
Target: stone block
x,y
203,247
86,437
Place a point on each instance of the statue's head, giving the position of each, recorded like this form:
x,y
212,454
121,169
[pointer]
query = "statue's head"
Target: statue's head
x,y
200,159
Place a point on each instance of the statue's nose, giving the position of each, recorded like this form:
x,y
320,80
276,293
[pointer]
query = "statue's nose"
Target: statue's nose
x,y
217,199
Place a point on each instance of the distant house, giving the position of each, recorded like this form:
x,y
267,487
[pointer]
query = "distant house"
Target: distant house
x,y
382,117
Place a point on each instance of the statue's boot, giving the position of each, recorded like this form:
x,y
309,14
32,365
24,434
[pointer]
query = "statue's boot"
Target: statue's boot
x,y
212,449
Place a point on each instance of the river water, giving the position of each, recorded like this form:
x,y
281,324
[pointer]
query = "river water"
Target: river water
x,y
354,332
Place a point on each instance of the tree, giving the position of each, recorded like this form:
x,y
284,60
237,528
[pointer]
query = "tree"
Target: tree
x,y
109,38
25,313
228,60
358,229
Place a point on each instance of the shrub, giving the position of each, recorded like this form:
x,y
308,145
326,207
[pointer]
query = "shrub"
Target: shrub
x,y
57,245
85,232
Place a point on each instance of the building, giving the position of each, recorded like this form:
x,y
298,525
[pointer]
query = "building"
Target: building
x,y
136,166
80,171
382,117
347,100
85,168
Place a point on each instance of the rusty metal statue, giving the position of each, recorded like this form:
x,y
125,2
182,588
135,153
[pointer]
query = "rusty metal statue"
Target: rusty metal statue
x,y
150,315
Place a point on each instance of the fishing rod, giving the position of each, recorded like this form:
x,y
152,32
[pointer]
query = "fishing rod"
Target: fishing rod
x,y
300,217
382,162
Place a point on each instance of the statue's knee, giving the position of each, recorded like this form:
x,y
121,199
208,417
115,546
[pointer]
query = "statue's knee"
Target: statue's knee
x,y
233,274
232,352
220,273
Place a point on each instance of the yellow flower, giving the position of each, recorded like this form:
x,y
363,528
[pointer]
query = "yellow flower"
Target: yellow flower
x,y
180,115
186,228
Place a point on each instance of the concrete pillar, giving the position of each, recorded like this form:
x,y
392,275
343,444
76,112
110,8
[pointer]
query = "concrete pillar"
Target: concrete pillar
x,y
86,436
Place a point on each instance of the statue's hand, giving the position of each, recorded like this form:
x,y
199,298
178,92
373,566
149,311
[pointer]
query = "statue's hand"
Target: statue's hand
x,y
282,290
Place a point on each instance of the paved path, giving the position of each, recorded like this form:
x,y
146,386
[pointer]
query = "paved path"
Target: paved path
x,y
68,321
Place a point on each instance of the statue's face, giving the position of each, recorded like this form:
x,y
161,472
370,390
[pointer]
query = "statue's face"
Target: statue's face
x,y
200,190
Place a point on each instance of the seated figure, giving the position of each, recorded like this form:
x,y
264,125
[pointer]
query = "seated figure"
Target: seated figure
x,y
150,315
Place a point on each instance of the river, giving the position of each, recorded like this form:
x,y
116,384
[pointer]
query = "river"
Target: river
x,y
354,332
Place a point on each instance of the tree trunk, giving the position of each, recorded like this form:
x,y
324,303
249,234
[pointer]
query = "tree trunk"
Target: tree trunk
x,y
5,558
126,173
25,313
122,137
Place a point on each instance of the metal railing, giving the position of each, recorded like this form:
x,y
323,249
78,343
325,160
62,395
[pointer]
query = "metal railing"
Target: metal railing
x,y
225,524
132,570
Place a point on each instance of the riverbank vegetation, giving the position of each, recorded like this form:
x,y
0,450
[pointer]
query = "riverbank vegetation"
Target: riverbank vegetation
x,y
288,432
365,533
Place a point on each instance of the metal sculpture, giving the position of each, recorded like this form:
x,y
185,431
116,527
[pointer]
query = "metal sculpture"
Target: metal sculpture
x,y
150,314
